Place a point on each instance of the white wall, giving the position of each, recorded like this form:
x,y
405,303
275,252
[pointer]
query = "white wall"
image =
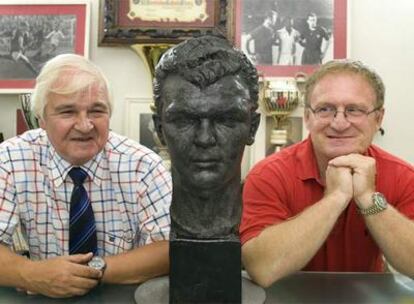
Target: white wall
x,y
381,34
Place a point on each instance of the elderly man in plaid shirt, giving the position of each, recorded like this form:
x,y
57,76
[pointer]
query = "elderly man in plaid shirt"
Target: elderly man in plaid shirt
x,y
127,185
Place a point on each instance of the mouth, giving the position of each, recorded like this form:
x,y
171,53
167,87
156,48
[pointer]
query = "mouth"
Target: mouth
x,y
82,139
205,163
335,137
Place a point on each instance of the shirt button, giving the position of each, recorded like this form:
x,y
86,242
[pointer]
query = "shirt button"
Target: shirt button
x,y
128,236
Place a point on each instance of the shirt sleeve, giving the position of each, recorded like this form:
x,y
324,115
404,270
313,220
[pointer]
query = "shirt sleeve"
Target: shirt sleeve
x,y
263,203
405,192
155,205
8,208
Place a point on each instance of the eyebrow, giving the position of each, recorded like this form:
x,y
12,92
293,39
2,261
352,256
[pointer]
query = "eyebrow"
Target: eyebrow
x,y
187,111
95,105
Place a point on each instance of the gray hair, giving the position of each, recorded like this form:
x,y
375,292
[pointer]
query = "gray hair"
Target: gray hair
x,y
68,74
350,66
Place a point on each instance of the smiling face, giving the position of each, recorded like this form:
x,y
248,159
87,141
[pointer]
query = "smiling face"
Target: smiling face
x,y
206,129
332,138
77,125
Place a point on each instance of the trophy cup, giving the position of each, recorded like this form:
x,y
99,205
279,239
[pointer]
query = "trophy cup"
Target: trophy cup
x,y
279,100
150,55
31,120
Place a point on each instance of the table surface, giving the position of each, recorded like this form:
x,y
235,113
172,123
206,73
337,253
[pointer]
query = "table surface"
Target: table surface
x,y
302,287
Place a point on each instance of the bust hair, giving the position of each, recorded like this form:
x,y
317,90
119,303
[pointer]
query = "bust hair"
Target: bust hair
x,y
203,61
341,66
68,74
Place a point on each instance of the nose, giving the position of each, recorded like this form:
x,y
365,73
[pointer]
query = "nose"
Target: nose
x,y
205,134
83,123
339,121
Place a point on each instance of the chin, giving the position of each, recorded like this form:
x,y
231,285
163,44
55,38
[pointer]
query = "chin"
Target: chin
x,y
340,151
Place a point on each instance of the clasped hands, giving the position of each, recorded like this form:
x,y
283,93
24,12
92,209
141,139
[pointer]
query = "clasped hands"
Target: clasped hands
x,y
350,177
60,277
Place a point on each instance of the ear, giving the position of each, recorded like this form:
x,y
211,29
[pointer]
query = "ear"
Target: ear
x,y
254,125
380,117
158,128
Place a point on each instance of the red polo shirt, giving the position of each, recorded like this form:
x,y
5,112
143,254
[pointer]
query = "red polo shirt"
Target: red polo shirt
x,y
282,185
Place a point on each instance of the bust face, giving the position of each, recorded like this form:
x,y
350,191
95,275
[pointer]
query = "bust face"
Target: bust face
x,y
206,130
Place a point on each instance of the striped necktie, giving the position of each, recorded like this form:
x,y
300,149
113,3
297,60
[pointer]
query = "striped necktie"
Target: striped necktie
x,y
82,229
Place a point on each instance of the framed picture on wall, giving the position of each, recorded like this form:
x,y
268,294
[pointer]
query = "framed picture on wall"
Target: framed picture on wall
x,y
34,31
131,22
138,122
284,37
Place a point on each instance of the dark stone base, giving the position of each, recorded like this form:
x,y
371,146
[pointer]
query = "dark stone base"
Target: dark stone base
x,y
205,271
156,291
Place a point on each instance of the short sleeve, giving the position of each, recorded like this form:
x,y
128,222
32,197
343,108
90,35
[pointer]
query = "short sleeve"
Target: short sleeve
x,y
155,205
264,203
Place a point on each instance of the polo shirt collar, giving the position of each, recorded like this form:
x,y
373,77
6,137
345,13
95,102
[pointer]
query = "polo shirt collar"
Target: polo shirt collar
x,y
306,162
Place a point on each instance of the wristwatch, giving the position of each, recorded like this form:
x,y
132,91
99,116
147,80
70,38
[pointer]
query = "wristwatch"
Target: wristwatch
x,y
98,263
379,203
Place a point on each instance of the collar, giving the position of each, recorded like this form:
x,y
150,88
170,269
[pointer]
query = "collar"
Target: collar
x,y
59,167
307,167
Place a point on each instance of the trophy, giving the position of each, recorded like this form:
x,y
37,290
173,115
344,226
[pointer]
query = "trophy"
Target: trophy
x,y
279,99
31,120
150,55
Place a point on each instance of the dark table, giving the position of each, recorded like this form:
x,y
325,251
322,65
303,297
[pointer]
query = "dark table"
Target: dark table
x,y
303,287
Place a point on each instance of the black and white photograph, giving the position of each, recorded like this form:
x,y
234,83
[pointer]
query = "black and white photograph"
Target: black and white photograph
x,y
147,132
34,31
28,41
288,32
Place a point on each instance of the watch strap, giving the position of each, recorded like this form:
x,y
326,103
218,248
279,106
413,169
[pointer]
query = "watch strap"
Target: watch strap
x,y
379,204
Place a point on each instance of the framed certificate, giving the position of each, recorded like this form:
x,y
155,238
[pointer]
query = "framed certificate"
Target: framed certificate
x,y
170,21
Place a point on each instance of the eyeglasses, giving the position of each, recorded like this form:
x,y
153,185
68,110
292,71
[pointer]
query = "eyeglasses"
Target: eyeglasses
x,y
351,113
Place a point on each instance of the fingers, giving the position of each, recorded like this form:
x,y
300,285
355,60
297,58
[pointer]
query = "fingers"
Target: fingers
x,y
80,258
84,271
352,161
81,283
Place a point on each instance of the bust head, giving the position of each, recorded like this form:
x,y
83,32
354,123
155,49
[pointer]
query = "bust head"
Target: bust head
x,y
206,96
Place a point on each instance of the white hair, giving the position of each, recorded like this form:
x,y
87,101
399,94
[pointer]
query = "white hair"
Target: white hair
x,y
68,74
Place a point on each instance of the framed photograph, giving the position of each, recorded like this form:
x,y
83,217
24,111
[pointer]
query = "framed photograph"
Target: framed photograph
x,y
34,31
138,122
131,22
284,37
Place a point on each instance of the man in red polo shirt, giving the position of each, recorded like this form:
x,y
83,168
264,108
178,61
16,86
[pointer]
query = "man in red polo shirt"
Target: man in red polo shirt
x,y
333,202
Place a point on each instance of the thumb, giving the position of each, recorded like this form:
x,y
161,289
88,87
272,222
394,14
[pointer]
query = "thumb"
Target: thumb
x,y
80,258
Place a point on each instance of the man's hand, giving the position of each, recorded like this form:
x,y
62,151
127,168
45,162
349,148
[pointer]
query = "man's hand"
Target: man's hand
x,y
363,176
61,277
339,184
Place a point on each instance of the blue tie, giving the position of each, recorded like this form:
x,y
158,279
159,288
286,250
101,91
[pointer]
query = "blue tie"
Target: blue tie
x,y
82,229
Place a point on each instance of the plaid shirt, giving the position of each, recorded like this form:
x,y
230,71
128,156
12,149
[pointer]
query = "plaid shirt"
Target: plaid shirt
x,y
129,188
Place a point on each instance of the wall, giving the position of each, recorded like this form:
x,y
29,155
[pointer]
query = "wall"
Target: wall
x,y
381,34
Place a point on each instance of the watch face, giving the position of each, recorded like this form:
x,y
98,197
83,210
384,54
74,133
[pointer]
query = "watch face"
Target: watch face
x,y
380,200
97,263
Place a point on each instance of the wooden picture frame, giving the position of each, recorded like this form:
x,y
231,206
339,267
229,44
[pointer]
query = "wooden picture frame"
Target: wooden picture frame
x,y
331,14
33,31
127,22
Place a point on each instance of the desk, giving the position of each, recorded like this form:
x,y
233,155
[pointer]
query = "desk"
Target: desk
x,y
303,287
334,287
